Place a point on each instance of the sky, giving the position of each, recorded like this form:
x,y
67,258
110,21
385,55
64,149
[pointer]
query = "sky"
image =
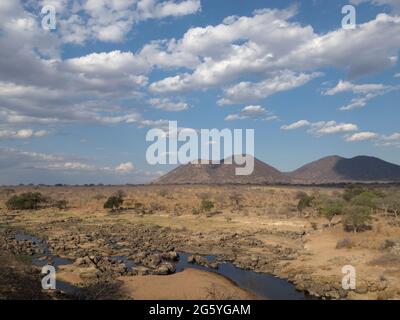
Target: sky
x,y
77,101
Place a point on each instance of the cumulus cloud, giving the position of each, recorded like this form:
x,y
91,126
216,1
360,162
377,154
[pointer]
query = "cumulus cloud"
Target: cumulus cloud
x,y
248,91
22,134
269,41
296,125
322,127
111,21
362,136
363,92
252,112
125,167
381,140
168,105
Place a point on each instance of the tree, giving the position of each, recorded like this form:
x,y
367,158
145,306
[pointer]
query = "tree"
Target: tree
x,y
366,198
26,201
393,204
331,208
356,217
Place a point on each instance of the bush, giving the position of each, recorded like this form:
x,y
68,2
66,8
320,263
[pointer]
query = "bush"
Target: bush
x,y
344,243
352,191
304,203
206,205
115,202
61,204
356,218
26,201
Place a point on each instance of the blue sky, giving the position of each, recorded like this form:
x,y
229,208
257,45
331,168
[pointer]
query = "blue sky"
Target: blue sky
x,y
76,102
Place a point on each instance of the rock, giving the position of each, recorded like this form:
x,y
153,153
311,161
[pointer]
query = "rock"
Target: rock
x,y
89,273
79,262
171,255
362,287
141,271
386,295
152,261
165,268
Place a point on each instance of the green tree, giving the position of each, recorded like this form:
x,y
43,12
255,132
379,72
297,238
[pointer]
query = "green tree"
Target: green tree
x,y
356,217
367,199
393,204
331,208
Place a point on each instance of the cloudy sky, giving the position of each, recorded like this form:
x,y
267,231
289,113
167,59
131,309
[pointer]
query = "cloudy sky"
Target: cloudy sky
x,y
76,102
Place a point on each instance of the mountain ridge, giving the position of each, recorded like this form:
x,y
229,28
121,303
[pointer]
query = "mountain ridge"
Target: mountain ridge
x,y
327,170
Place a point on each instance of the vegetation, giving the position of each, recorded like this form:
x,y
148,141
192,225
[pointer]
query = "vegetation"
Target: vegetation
x,y
356,218
393,204
26,201
305,202
61,204
206,205
115,202
236,198
331,208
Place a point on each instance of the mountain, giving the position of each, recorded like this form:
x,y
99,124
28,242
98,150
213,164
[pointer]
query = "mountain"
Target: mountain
x,y
332,169
222,173
336,169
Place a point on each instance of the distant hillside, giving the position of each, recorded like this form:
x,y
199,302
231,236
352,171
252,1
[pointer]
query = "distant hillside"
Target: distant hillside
x,y
332,169
222,173
335,169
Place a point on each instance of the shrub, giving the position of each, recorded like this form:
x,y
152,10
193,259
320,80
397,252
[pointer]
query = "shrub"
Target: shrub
x,y
356,218
344,243
304,203
352,191
61,204
26,201
114,202
236,198
163,193
300,195
206,205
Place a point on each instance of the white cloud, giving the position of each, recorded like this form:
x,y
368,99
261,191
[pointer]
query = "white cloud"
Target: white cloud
x,y
331,127
397,75
364,92
362,136
21,134
111,21
125,167
269,41
252,112
322,127
168,105
296,125
248,91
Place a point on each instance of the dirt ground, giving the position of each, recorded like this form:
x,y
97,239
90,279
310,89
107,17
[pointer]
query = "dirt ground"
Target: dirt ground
x,y
259,230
